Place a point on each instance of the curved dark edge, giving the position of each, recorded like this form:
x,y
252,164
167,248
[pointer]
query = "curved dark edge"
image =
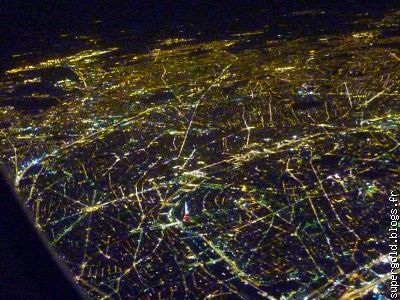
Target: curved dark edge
x,y
29,268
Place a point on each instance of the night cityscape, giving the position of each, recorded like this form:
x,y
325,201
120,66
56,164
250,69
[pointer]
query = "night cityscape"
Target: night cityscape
x,y
229,152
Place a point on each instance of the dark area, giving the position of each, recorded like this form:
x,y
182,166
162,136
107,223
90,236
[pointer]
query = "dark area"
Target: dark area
x,y
25,24
29,269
